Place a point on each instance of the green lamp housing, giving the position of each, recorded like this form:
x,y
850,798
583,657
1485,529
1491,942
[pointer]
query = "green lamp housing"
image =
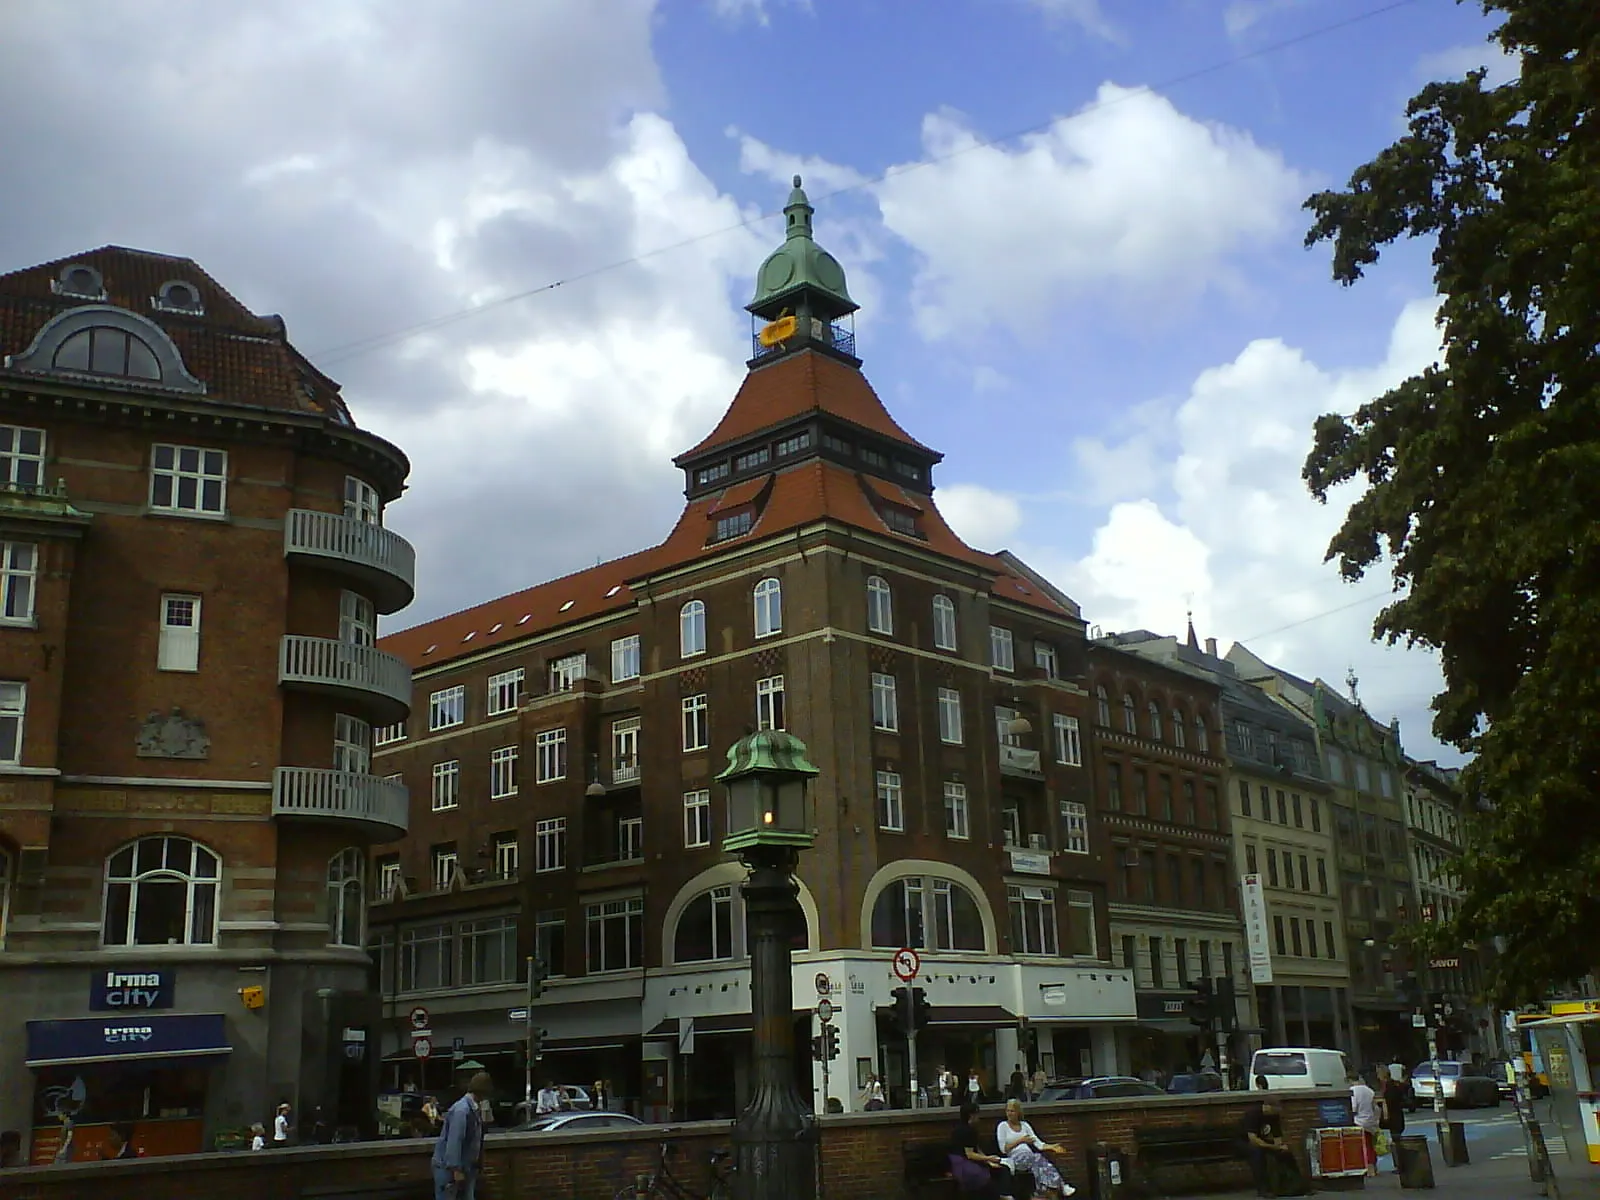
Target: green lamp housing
x,y
769,802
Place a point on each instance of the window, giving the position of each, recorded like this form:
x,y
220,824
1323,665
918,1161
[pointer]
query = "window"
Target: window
x,y
1244,798
489,951
1327,939
1272,867
752,459
1114,787
1075,817
361,501
1322,876
1102,707
769,702
1130,952
358,620
1177,729
446,784
885,709
900,916
550,940
692,629
352,745
505,691
696,723
550,844
1130,721
713,473
161,891
1191,814
188,479
697,818
950,716
1033,919
705,928
625,750
957,819
388,876
1299,815
1311,938
1155,721
550,756
21,456
565,672
1001,656
1212,816
1283,809
769,608
426,958
615,935
795,444
507,855
734,525
1266,803
873,459
345,898
625,658
1205,959
1202,741
1164,790
1363,775
1069,749
1335,766
102,350
1197,872
502,772
880,605
1157,964
630,839
178,648
1305,874
1044,657
1294,937
1180,952
447,707
1011,824
1278,938
1080,924
1227,959
19,566
944,623
1003,719
1141,793
1175,895
891,806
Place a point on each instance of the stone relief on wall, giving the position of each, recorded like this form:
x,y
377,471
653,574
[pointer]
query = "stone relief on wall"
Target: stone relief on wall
x,y
172,735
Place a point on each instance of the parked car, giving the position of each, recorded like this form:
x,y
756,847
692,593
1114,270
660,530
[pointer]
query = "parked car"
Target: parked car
x,y
1503,1074
1099,1087
1300,1067
1197,1081
572,1122
1464,1085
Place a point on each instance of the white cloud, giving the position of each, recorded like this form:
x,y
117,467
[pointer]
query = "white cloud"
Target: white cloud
x,y
1128,196
1084,13
1243,15
980,516
753,10
1456,61
820,175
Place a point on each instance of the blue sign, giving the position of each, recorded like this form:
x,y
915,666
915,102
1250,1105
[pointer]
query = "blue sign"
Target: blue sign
x,y
119,989
112,1038
1334,1114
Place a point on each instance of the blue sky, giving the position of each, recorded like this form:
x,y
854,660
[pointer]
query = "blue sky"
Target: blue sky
x,y
1079,261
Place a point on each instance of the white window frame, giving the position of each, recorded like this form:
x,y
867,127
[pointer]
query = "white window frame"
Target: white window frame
x,y
388,878
885,703
1178,737
1069,739
1075,823
880,605
21,467
361,501
1038,915
358,619
178,648
550,755
1084,899
1002,649
625,749
696,819
768,600
504,692
1202,738
1153,716
696,722
503,772
630,839
550,845
630,910
447,708
770,706
950,732
692,629
445,863
625,658
891,802
446,784
199,870
957,811
1044,657
567,670
347,890
192,467
13,718
352,745
945,634
384,735
1130,714
19,582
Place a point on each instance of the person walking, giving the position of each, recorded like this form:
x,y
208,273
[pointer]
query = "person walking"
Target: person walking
x,y
1364,1110
458,1154
548,1100
258,1136
1392,1099
872,1095
946,1088
280,1127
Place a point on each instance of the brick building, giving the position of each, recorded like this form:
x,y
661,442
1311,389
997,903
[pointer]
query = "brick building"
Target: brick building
x,y
192,558
571,733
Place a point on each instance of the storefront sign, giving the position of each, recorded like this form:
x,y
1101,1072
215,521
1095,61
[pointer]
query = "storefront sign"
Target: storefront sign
x,y
107,1039
1030,862
121,989
1255,929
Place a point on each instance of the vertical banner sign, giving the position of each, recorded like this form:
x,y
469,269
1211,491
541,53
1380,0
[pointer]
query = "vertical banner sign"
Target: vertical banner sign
x,y
1255,929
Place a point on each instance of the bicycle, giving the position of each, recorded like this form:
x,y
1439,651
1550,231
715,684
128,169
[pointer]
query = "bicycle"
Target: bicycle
x,y
663,1185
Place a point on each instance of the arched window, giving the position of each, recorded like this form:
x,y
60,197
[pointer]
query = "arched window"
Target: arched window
x,y
1102,706
345,899
880,605
102,350
705,928
927,913
1155,721
1201,742
769,608
1130,718
162,891
692,629
944,623
1177,728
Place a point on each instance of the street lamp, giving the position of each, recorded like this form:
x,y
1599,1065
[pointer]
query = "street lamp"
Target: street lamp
x,y
769,823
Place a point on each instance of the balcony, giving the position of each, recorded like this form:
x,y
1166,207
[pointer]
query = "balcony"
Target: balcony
x,y
382,562
374,808
625,773
1024,764
379,682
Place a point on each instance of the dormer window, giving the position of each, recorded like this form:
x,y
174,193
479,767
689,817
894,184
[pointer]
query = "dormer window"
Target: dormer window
x,y
908,470
755,458
179,297
873,459
79,281
102,350
900,520
734,525
795,444
712,473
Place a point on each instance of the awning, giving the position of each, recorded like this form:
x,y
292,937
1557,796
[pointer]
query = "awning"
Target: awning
x,y
1185,1027
126,1039
666,1029
974,1016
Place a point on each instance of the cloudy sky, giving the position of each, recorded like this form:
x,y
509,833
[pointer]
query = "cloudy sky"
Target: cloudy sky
x,y
1073,225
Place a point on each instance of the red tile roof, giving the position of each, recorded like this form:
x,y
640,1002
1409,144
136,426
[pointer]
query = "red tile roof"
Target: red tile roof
x,y
738,495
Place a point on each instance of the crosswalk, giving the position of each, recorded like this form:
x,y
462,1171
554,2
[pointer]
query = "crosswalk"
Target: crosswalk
x,y
1553,1142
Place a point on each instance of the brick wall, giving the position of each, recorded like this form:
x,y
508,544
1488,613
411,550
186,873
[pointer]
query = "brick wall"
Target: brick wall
x,y
860,1156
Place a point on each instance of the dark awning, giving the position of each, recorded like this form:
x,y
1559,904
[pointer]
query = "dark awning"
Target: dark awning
x,y
981,1016
667,1028
126,1039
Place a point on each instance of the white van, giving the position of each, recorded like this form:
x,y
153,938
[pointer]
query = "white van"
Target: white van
x,y
1299,1067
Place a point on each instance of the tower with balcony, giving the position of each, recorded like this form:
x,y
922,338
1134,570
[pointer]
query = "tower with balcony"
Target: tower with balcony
x,y
193,560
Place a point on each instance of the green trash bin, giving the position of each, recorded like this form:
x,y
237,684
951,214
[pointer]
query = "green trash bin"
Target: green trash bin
x,y
1415,1162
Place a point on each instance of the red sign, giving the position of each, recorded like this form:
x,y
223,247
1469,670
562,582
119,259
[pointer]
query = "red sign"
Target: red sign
x,y
419,1017
422,1047
907,962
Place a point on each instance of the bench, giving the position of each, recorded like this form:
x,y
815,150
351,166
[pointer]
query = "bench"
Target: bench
x,y
419,1190
1193,1146
925,1172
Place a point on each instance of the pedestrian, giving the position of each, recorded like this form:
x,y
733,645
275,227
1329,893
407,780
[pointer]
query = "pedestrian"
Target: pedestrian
x,y
1364,1110
872,1099
974,1087
458,1154
280,1127
258,1136
1392,1096
946,1086
10,1148
67,1149
1207,1063
1036,1084
1017,1086
602,1096
548,1100
1272,1163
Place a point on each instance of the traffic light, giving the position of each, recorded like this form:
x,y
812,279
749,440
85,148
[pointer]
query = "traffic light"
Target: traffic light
x,y
538,972
817,1048
903,1010
537,1043
830,1042
921,1010
1199,1007
1226,1009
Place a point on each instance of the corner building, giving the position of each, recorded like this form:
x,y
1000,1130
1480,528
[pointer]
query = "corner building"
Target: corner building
x,y
192,559
571,735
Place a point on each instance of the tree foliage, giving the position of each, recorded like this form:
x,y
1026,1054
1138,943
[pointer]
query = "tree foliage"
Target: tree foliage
x,y
1482,474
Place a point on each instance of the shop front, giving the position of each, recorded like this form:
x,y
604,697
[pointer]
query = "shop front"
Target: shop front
x,y
1165,1042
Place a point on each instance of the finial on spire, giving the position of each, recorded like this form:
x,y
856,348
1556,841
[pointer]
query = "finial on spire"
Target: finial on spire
x,y
1194,642
797,181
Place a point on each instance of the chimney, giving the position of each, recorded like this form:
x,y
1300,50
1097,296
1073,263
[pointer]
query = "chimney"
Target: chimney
x,y
1211,647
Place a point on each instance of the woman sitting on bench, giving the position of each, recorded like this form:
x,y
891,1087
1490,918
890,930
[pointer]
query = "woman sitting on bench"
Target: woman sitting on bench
x,y
1026,1150
976,1172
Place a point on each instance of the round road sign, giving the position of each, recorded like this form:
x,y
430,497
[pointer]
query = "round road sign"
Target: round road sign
x,y
907,962
824,1011
419,1017
422,1047
824,984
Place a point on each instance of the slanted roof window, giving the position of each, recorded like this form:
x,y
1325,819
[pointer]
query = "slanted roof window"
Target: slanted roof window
x,y
102,350
734,525
180,297
80,281
900,520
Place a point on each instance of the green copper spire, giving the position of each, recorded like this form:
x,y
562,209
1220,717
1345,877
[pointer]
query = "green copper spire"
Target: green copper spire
x,y
800,277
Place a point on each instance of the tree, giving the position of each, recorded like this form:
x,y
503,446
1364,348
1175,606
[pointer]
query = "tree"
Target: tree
x,y
1482,474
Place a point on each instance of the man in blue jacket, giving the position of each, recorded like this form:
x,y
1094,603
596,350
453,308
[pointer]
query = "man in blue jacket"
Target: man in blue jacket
x,y
458,1154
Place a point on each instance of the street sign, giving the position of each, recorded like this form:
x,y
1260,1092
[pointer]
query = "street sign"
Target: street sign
x,y
824,984
419,1017
1418,1021
517,1014
907,962
685,1035
421,1047
824,1011
458,1048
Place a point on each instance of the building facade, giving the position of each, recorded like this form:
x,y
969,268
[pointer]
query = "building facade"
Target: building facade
x,y
193,559
1159,774
568,737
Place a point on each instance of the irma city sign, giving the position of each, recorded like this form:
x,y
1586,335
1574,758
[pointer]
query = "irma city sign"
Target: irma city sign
x,y
120,990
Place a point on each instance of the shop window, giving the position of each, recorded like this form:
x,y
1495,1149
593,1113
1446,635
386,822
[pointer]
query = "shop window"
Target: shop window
x,y
1033,919
345,898
162,891
705,928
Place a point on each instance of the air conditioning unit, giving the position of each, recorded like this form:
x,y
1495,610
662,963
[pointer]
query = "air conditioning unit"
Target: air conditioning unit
x,y
1036,841
1130,858
1010,838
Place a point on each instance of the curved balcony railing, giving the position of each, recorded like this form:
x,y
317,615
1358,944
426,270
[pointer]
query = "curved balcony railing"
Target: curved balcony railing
x,y
378,681
385,562
378,806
